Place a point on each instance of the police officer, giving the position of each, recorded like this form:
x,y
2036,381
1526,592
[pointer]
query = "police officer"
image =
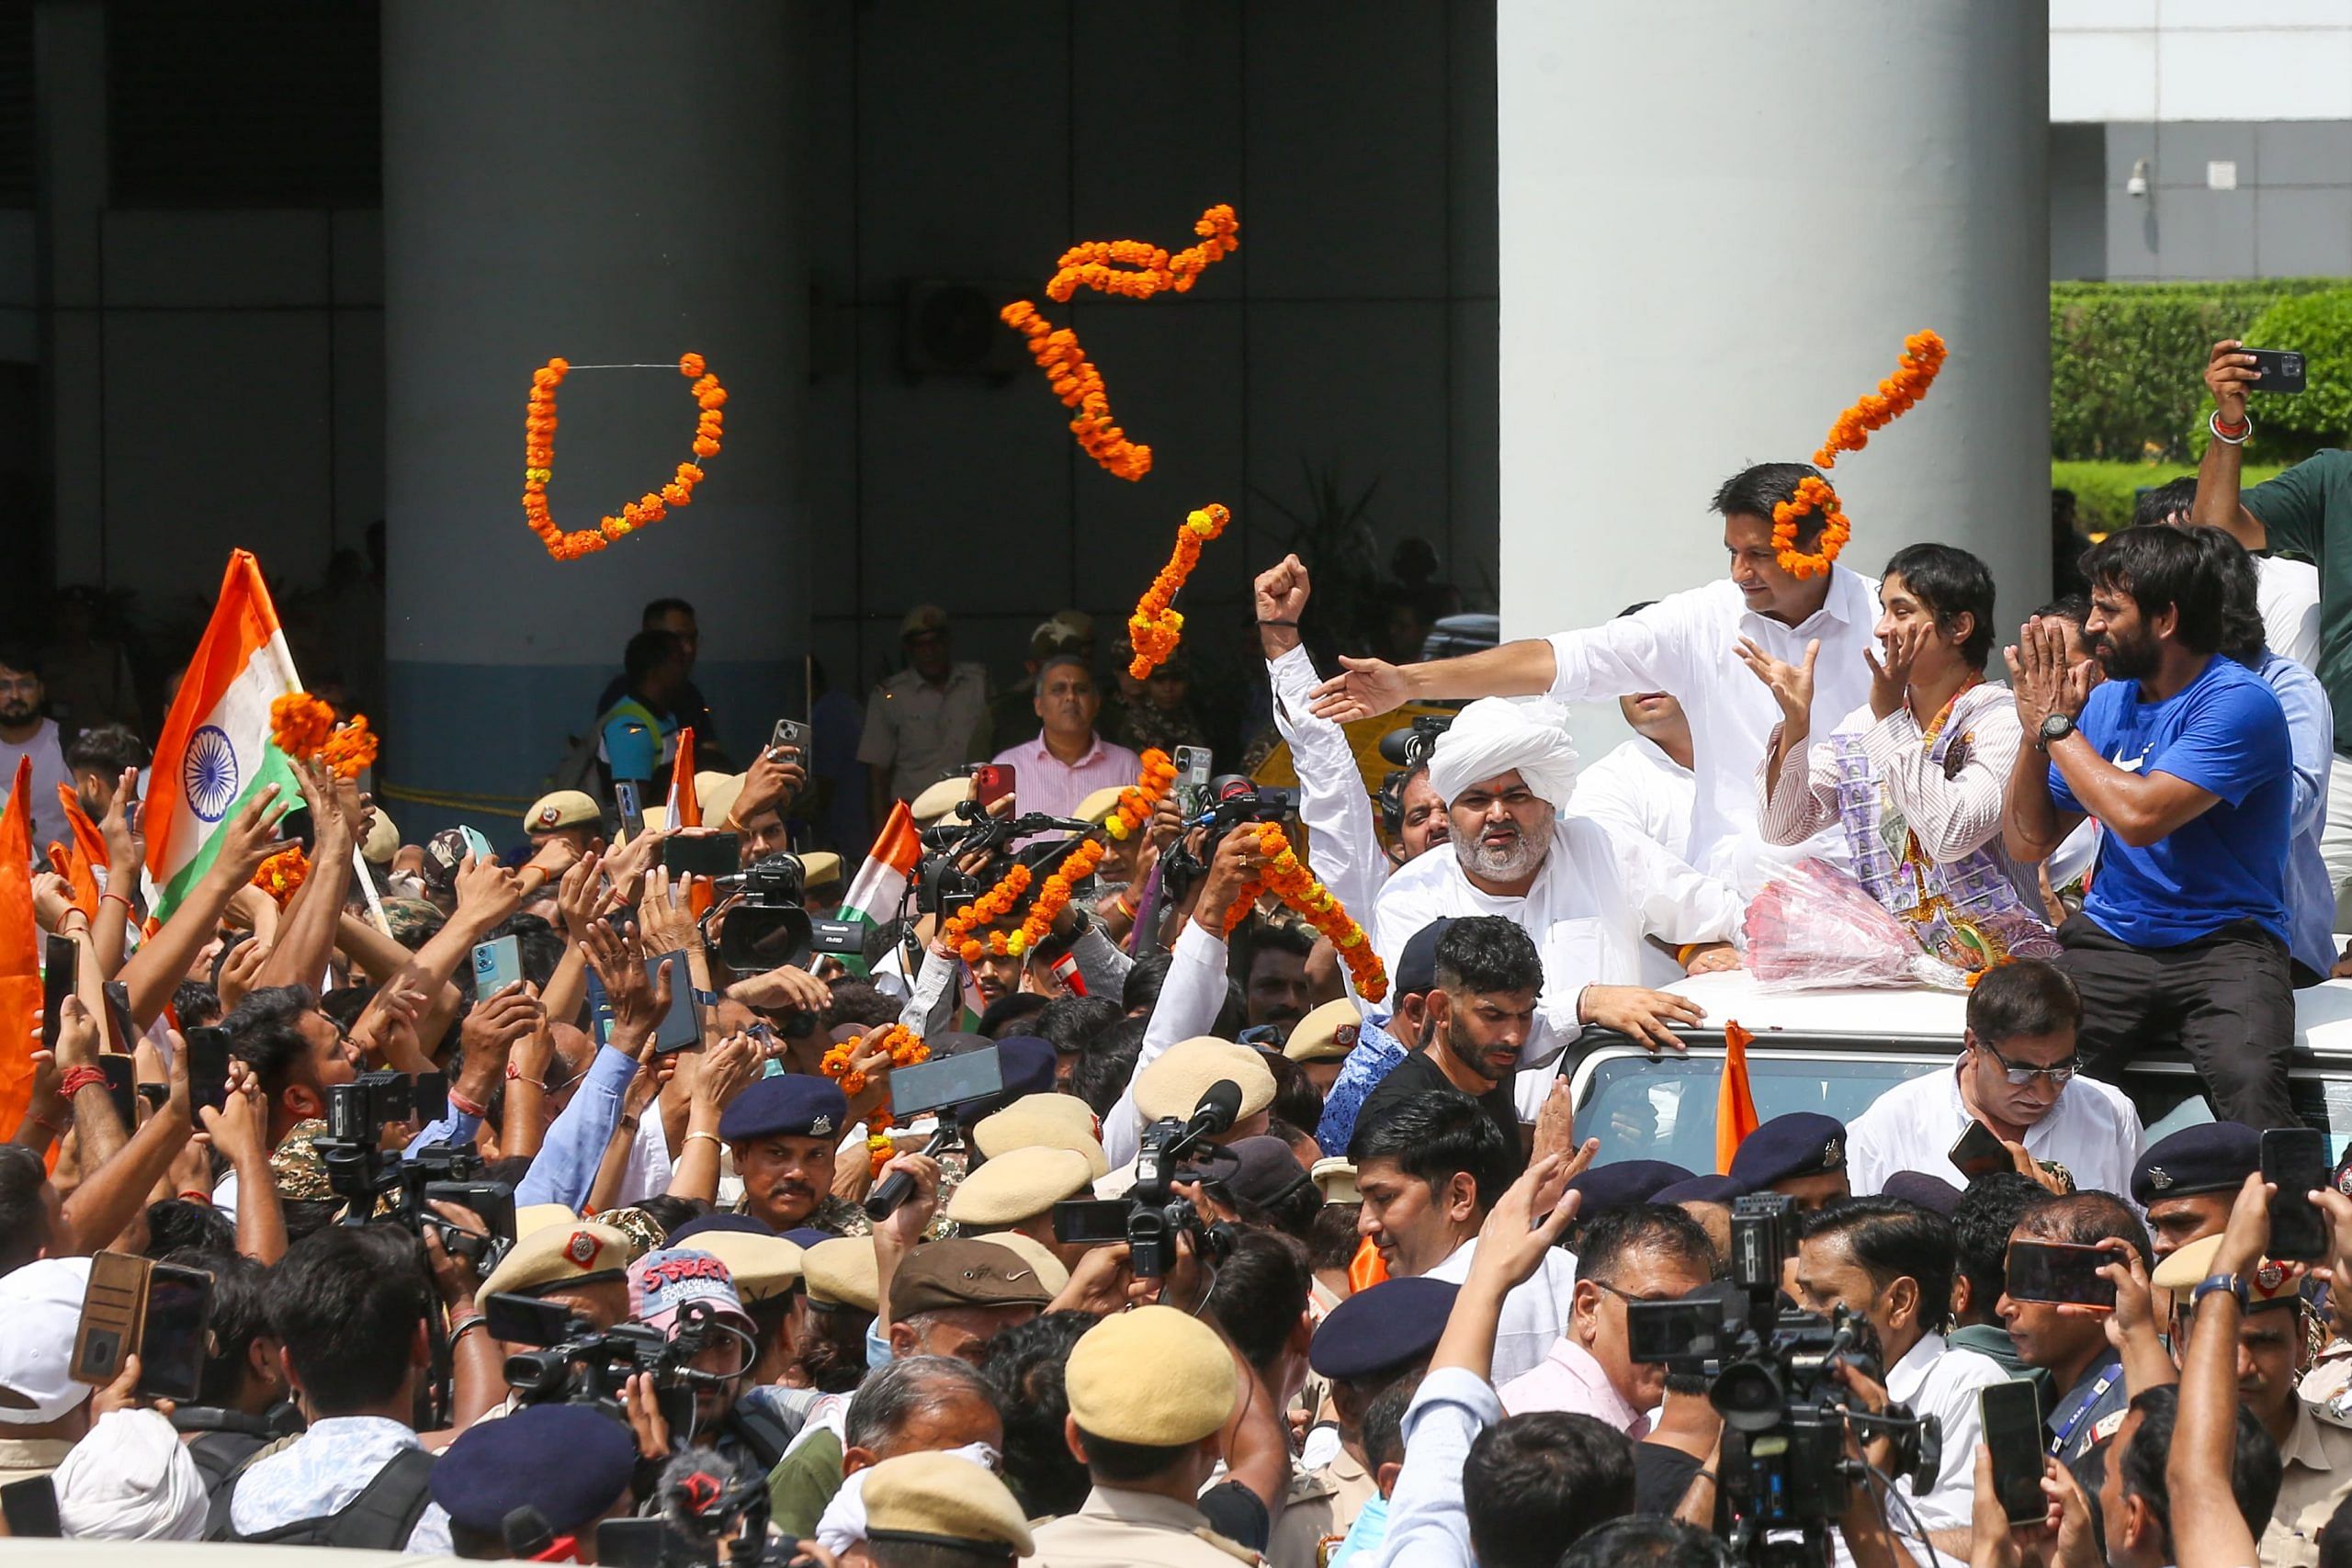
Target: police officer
x,y
554,1471
927,1507
2185,1182
926,720
1801,1156
1149,1392
783,1133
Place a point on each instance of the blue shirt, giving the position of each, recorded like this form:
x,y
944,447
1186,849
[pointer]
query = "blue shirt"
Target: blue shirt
x,y
2310,730
2223,732
1376,1052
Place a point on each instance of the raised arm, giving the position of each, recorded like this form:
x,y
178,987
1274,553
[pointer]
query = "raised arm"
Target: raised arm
x,y
2208,1531
109,1197
1795,800
152,973
1365,688
306,937
2228,374
1332,799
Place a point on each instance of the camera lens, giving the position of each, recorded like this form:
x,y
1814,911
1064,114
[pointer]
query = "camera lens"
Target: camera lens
x,y
1748,1396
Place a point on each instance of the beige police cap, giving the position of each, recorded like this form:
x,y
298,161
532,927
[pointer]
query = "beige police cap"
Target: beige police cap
x,y
384,841
1154,1376
923,618
940,800
1052,1272
1336,1179
2270,1283
716,792
562,808
1019,1184
1326,1035
933,1497
761,1266
1049,1121
1097,807
539,1217
820,868
559,1256
1173,1085
843,1272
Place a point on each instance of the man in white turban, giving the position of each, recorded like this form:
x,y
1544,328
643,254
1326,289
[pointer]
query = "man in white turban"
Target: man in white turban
x,y
131,1479
1587,893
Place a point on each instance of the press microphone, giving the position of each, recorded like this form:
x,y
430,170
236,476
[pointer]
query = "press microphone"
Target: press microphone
x,y
1219,1108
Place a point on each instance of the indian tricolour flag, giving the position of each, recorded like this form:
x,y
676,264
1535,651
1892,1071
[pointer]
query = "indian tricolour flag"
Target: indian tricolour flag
x,y
215,750
875,892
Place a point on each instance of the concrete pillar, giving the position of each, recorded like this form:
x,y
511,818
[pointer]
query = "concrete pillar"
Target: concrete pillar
x,y
1717,225
608,182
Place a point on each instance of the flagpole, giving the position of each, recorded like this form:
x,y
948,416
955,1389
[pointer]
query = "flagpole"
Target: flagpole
x,y
368,886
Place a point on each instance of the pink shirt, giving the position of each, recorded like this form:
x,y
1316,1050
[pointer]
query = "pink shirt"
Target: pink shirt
x,y
1042,782
1569,1380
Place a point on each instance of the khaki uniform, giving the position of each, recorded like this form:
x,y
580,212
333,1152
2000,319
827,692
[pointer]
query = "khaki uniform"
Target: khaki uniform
x,y
1320,1506
921,732
23,1458
1134,1530
2318,1459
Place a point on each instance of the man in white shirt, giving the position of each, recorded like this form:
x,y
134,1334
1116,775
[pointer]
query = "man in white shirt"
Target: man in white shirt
x,y
1685,644
2016,1076
1646,785
24,733
1428,1172
1892,1262
1585,894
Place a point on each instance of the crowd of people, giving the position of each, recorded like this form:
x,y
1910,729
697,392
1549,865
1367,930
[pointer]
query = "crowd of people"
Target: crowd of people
x,y
1215,1248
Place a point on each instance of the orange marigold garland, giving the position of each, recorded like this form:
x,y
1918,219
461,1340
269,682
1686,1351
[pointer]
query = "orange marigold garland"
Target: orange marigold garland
x,y
282,872
303,725
538,460
1155,628
1139,800
1142,271
1923,356
906,1049
1287,878
1134,810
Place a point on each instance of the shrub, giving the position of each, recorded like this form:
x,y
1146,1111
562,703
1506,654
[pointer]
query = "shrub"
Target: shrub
x,y
2127,360
2105,493
2287,429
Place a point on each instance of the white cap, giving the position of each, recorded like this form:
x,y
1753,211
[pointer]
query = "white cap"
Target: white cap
x,y
41,1304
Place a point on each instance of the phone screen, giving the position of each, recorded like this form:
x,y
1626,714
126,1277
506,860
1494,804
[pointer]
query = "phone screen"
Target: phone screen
x,y
497,964
172,1346
2295,1160
1194,765
2060,1271
951,1080
704,854
682,1025
207,1067
1091,1222
2011,1412
1978,1152
59,958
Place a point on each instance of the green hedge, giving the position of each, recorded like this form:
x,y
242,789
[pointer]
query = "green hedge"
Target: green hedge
x,y
2291,428
2105,492
2127,361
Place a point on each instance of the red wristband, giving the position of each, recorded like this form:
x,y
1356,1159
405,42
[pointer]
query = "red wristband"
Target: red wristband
x,y
77,1079
196,1195
464,1107
513,1072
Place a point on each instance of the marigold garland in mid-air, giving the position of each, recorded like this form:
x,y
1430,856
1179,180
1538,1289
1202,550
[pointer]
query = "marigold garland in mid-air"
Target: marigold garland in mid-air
x,y
906,1049
282,872
1287,878
538,462
1155,628
303,725
1139,800
1134,810
1143,271
1923,357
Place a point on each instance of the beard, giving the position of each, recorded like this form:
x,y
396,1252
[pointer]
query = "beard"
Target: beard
x,y
1511,860
16,714
2122,661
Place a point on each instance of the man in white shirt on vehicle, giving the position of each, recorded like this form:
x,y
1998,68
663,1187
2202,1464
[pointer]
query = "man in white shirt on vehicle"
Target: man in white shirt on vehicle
x,y
1644,786
1588,894
2016,1076
1892,1262
1684,644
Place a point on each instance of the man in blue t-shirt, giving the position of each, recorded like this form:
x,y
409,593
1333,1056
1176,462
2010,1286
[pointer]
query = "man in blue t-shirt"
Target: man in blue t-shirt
x,y
2183,755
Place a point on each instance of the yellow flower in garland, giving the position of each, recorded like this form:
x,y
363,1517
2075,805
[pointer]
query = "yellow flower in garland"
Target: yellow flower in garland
x,y
1155,628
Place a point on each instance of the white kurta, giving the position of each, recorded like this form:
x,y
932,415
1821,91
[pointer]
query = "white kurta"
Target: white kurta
x,y
1534,1314
2285,592
2093,1131
1600,892
1638,789
1688,644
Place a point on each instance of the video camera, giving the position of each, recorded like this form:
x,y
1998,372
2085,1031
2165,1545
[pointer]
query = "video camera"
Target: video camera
x,y
362,1174
941,887
1236,800
1410,746
576,1363
1784,1473
1156,1215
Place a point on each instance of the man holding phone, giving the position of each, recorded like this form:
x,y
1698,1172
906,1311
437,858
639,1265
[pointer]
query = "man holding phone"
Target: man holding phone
x,y
2017,1077
2070,1342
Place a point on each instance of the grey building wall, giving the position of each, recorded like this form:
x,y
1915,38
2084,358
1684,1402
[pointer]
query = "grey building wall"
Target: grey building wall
x,y
2291,215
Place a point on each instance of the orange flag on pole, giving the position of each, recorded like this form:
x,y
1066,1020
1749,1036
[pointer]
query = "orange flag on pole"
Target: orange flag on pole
x,y
685,808
67,862
1734,1102
19,945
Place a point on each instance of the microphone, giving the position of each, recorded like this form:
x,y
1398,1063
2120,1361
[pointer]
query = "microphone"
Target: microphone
x,y
1219,1108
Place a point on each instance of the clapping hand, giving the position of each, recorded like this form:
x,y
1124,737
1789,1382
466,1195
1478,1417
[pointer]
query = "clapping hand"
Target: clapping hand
x,y
2045,682
1790,684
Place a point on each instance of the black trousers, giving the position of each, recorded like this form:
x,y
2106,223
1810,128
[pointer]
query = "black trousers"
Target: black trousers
x,y
2226,1000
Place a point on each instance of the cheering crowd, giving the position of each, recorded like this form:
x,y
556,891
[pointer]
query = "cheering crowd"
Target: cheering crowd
x,y
1223,1242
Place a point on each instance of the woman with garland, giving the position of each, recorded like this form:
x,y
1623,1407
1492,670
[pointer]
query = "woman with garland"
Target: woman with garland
x,y
1916,775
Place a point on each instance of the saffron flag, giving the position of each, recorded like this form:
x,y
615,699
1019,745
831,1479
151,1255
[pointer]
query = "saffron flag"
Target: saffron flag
x,y
685,806
880,884
215,753
19,943
67,862
1734,1102
89,850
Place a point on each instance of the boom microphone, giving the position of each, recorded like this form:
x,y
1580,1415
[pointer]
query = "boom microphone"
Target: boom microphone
x,y
1219,1108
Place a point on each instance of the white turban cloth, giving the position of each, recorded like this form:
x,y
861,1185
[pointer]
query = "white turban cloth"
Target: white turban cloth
x,y
132,1479
844,1524
1495,736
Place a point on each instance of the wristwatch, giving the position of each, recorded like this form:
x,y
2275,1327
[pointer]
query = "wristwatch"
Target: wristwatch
x,y
2212,1282
2054,729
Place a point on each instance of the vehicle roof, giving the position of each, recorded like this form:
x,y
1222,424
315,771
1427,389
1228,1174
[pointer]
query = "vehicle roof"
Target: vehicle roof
x,y
1906,1020
25,1553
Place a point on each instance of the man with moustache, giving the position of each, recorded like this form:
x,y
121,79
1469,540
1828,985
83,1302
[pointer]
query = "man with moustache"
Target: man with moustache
x,y
783,1133
24,732
1585,893
1487,979
2183,757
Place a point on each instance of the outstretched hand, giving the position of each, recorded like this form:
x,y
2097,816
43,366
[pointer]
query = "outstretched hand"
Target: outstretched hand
x,y
1364,688
1790,684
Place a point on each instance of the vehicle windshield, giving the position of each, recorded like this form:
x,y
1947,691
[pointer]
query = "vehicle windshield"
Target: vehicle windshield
x,y
1645,1107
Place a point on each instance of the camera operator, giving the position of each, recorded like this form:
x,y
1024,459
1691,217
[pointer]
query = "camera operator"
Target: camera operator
x,y
241,1398
1890,1262
581,1266
747,1424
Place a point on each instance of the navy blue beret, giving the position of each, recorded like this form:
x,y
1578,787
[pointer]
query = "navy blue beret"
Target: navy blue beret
x,y
2215,1157
806,1236
569,1461
1417,965
1624,1184
1804,1143
1700,1190
790,1104
718,1222
1394,1324
1930,1192
1028,1065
